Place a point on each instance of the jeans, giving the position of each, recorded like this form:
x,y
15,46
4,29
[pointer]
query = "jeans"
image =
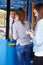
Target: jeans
x,y
23,54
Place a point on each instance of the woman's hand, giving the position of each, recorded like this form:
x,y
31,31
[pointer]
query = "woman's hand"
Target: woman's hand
x,y
30,32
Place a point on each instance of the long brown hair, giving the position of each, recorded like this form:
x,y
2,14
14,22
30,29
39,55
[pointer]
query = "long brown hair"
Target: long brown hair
x,y
39,8
21,13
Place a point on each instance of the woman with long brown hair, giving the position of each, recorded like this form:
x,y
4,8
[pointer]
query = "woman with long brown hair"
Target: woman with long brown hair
x,y
23,40
38,36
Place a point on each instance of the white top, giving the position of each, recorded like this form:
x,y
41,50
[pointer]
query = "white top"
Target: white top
x,y
19,33
39,54
38,39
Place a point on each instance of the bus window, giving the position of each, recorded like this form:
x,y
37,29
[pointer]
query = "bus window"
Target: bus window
x,y
2,19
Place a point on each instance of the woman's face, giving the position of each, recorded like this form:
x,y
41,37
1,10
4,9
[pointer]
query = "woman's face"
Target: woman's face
x,y
16,17
35,13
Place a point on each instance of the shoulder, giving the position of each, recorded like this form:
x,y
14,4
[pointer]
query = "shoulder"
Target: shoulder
x,y
40,22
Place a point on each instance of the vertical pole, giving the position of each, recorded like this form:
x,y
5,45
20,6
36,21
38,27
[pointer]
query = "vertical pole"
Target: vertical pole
x,y
32,26
27,8
7,19
30,11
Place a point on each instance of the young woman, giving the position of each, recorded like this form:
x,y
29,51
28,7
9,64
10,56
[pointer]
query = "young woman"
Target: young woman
x,y
23,41
38,36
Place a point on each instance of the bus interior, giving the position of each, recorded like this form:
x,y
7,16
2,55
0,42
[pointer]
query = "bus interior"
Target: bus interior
x,y
7,47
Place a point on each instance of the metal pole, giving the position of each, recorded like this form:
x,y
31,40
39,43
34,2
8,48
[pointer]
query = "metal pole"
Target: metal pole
x,y
32,27
7,19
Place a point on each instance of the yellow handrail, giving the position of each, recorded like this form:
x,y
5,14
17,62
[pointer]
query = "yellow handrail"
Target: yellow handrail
x,y
11,44
32,26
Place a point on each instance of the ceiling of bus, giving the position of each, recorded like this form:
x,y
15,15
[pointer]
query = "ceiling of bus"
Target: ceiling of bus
x,y
16,3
